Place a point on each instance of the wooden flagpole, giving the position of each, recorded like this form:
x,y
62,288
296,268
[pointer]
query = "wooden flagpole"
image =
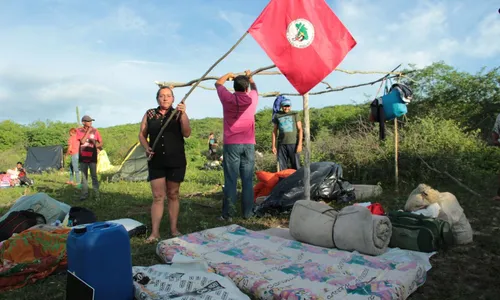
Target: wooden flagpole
x,y
307,148
396,145
396,154
193,87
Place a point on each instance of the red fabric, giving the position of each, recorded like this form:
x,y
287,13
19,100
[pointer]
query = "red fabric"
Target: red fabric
x,y
314,56
268,178
285,173
376,209
261,189
267,181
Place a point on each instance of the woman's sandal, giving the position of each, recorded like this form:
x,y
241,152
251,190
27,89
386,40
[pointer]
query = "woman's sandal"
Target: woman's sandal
x,y
151,240
177,234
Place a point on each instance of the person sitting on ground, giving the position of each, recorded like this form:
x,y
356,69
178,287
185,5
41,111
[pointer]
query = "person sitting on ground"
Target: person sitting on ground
x,y
239,110
22,175
73,149
90,141
287,133
167,164
20,169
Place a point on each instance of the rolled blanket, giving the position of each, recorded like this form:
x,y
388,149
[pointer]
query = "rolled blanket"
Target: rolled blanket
x,y
312,222
356,229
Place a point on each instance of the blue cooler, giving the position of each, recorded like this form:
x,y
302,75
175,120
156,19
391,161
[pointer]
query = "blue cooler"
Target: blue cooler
x,y
99,254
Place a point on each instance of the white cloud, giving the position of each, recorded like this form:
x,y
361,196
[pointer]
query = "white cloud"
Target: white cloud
x,y
448,45
126,19
240,22
485,42
428,20
72,91
107,64
4,94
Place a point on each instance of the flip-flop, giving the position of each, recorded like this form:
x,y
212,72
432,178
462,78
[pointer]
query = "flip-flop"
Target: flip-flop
x,y
151,240
177,234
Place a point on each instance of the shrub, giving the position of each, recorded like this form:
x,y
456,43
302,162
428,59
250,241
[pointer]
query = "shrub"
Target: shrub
x,y
443,144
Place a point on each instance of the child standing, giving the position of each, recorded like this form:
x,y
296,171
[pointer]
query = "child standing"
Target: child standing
x,y
287,134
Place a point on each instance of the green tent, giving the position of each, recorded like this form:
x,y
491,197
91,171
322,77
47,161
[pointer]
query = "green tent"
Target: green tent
x,y
134,167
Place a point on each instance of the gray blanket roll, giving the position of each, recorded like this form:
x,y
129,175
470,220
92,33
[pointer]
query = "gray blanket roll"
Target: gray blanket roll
x,y
356,229
312,223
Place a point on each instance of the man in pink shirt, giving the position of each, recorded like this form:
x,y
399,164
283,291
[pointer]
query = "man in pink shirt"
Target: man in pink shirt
x,y
239,141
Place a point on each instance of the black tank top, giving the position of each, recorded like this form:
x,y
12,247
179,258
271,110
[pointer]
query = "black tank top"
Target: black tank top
x,y
169,151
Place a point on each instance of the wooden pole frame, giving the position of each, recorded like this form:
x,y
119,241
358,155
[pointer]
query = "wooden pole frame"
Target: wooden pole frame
x,y
192,89
396,158
307,148
305,98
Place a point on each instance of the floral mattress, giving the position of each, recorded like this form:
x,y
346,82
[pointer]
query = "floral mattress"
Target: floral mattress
x,y
270,267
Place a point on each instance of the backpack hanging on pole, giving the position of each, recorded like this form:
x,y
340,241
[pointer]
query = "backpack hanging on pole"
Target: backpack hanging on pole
x,y
395,101
391,105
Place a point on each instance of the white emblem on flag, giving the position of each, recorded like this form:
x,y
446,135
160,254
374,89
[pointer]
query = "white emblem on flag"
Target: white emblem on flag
x,y
300,33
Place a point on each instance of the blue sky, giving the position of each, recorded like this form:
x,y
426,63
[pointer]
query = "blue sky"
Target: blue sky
x,y
104,56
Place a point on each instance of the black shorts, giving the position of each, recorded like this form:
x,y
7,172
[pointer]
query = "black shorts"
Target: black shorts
x,y
170,174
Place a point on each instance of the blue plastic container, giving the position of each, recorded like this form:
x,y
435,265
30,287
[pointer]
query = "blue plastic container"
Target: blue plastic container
x,y
99,253
393,105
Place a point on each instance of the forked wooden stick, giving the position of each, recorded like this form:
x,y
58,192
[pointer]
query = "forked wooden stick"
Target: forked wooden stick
x,y
176,113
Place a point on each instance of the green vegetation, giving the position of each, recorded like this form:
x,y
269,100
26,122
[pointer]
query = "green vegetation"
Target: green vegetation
x,y
447,128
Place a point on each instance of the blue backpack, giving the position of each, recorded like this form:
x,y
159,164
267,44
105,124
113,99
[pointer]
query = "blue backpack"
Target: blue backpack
x,y
393,105
390,106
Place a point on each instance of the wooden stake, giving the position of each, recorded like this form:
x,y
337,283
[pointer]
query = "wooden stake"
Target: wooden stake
x,y
396,145
307,148
78,121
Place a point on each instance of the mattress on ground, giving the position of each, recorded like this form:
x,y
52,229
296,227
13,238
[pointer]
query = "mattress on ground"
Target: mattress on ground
x,y
270,267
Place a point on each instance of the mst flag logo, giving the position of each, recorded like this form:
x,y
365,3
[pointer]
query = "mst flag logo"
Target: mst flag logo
x,y
304,39
300,33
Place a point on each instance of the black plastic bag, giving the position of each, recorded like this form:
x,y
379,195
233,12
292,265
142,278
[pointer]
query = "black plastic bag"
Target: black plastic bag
x,y
327,184
80,216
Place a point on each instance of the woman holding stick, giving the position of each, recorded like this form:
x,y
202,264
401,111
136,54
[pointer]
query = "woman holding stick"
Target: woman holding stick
x,y
167,165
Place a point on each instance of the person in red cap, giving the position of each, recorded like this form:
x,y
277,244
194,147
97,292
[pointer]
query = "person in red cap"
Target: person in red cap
x,y
90,141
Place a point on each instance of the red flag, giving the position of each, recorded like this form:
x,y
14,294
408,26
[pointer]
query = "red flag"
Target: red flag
x,y
304,39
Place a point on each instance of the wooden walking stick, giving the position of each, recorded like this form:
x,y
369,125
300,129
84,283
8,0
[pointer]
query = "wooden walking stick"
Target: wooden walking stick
x,y
176,113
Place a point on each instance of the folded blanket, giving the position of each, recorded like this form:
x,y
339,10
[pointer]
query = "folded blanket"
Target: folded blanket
x,y
356,229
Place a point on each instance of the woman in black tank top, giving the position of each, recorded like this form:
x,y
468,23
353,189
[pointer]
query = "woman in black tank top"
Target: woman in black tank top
x,y
167,164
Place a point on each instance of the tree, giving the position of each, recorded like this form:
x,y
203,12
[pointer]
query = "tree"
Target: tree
x,y
473,100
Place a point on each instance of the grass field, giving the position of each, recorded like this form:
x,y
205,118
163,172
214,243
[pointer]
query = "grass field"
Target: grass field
x,y
465,272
